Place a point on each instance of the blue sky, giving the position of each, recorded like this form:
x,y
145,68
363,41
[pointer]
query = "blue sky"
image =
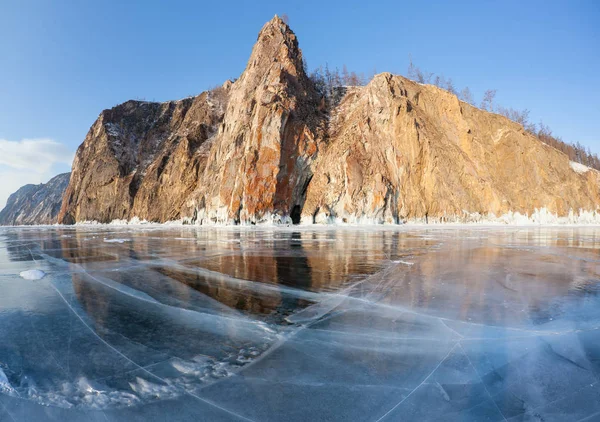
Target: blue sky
x,y
62,62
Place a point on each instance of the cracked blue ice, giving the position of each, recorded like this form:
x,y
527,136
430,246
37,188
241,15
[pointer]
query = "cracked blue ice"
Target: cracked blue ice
x,y
154,323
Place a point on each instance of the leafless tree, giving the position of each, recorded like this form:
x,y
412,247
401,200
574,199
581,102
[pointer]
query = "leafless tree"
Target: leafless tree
x,y
519,116
345,76
450,86
412,69
318,78
326,81
544,131
488,100
416,74
466,95
355,80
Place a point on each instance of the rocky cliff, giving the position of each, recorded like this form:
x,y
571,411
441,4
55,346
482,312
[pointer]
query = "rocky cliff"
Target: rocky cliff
x,y
241,153
400,150
35,204
143,159
267,148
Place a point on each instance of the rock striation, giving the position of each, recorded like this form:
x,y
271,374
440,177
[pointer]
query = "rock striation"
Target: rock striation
x,y
266,148
35,204
399,150
143,159
241,153
261,162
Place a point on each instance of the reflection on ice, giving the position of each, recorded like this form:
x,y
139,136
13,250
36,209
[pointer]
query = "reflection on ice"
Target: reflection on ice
x,y
271,324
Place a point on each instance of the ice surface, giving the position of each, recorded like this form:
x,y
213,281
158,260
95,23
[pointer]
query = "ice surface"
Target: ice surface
x,y
269,324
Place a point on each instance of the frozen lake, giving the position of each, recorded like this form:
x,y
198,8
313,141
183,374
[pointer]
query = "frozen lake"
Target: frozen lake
x,y
410,323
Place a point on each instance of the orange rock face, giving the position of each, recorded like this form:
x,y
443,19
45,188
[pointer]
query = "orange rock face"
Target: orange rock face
x,y
262,149
242,156
142,159
399,150
261,163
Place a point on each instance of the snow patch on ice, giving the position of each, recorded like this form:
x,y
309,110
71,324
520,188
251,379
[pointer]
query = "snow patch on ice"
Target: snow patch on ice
x,y
116,240
188,376
403,262
32,275
4,383
150,390
82,393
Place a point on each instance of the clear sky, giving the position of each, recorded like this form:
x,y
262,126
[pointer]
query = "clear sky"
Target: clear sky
x,y
62,62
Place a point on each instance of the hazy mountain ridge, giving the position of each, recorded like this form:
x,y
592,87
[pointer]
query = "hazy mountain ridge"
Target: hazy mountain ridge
x,y
35,204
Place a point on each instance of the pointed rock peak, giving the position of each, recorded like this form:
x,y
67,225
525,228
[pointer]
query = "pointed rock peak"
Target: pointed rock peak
x,y
274,26
276,43
277,21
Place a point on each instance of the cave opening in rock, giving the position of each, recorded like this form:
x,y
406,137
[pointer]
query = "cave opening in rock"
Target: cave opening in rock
x,y
295,214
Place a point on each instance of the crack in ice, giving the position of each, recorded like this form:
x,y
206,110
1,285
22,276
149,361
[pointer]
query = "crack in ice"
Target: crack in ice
x,y
418,386
139,366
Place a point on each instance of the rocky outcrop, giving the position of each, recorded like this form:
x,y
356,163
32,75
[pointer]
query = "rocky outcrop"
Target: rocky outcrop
x,y
399,150
265,148
261,162
35,204
242,153
143,159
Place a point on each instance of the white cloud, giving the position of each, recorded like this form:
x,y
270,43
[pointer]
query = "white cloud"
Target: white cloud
x,y
30,161
37,155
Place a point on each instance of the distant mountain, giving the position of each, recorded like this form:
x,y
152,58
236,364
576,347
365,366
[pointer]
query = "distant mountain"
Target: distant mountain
x,y
35,204
270,148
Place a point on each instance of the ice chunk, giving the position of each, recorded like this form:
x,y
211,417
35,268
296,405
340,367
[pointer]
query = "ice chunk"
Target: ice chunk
x,y
116,240
32,274
4,384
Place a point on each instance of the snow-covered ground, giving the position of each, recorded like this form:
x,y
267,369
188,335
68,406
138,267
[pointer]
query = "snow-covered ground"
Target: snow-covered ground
x,y
578,167
540,216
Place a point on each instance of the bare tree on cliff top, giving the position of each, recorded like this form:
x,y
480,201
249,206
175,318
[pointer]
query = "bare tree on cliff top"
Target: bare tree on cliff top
x,y
467,96
488,100
450,86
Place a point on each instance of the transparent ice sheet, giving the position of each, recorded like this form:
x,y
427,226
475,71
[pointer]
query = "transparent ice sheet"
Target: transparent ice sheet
x,y
149,323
